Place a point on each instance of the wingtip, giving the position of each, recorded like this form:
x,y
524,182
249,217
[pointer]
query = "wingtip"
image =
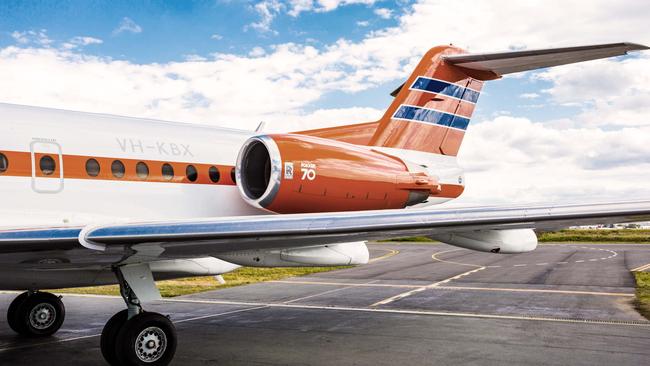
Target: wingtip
x,y
636,46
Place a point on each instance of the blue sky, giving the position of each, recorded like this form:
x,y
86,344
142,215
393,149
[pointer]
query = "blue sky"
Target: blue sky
x,y
571,132
161,32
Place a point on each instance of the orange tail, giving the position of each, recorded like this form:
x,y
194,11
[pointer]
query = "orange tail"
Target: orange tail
x,y
430,113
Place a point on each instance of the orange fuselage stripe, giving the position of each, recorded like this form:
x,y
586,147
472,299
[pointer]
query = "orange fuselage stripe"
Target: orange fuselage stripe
x,y
74,167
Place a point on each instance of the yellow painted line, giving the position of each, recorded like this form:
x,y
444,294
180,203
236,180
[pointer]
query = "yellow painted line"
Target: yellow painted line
x,y
435,258
642,268
391,252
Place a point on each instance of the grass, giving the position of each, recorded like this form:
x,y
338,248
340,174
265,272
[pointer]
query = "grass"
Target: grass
x,y
608,236
642,301
186,286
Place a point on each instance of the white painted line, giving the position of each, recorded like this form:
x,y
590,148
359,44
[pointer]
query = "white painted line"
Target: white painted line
x,y
425,312
63,340
520,265
325,292
541,264
581,261
562,262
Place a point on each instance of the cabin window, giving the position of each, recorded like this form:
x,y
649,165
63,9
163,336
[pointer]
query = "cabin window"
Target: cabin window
x,y
191,173
117,168
92,167
232,175
4,163
167,171
142,170
213,172
47,165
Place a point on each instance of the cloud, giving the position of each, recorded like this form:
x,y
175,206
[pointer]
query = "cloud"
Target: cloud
x,y
81,42
321,6
515,160
363,23
383,13
267,10
127,25
529,95
216,37
33,37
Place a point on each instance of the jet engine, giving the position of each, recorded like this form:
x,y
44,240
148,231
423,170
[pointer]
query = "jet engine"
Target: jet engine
x,y
299,174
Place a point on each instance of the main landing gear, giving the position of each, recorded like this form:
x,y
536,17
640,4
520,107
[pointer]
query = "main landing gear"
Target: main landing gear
x,y
136,337
36,314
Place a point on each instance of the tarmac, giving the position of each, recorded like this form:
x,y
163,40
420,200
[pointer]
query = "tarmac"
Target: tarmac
x,y
414,304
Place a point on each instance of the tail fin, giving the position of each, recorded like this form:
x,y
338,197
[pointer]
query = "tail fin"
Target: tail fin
x,y
433,108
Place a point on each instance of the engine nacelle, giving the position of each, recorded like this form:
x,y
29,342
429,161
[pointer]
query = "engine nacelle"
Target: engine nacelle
x,y
509,241
298,174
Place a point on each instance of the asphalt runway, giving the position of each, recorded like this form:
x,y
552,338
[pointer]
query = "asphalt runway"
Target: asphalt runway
x,y
414,304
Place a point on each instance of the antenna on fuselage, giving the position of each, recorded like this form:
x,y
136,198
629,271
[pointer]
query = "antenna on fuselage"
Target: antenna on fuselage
x,y
260,127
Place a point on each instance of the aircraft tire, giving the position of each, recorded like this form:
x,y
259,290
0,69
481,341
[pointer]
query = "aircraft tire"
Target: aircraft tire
x,y
40,314
109,336
146,339
12,313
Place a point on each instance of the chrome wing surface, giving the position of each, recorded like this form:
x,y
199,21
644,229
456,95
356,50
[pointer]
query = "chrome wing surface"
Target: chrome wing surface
x,y
210,236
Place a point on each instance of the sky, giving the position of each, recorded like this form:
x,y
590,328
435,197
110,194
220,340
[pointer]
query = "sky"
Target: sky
x,y
573,133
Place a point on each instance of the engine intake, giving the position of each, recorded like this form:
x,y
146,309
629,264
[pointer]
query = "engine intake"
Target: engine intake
x,y
297,174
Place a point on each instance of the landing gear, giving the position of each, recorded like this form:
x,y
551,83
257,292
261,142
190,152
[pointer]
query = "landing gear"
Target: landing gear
x,y
136,337
36,314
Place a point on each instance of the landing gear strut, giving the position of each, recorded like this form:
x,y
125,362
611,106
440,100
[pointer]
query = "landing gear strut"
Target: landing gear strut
x,y
36,314
136,337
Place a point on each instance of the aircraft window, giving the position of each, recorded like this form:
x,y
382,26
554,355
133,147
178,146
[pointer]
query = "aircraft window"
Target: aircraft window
x,y
47,165
191,173
4,163
92,167
232,175
167,171
142,170
214,174
117,168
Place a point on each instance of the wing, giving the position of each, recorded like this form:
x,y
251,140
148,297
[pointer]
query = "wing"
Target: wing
x,y
210,236
509,62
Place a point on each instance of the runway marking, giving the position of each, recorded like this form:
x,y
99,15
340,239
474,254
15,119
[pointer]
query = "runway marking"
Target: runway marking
x,y
63,340
641,268
613,254
433,285
504,289
326,292
391,253
425,312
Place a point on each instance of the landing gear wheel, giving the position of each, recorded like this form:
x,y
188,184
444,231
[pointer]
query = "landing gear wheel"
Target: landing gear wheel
x,y
12,312
146,339
109,336
40,314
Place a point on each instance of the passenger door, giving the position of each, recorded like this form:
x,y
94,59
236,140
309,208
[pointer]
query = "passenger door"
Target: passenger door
x,y
47,166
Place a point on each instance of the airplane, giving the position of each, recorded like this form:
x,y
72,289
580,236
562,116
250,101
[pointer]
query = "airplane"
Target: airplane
x,y
94,199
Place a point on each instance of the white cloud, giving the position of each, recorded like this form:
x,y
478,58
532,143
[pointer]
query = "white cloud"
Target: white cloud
x,y
384,13
267,10
529,95
127,25
363,23
216,37
257,52
515,160
33,37
80,42
298,6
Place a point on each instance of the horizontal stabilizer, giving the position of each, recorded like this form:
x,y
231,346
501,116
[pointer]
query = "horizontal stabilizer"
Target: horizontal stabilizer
x,y
502,63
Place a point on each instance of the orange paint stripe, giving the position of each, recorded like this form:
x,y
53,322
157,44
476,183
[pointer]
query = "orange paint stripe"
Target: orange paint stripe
x,y
74,167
